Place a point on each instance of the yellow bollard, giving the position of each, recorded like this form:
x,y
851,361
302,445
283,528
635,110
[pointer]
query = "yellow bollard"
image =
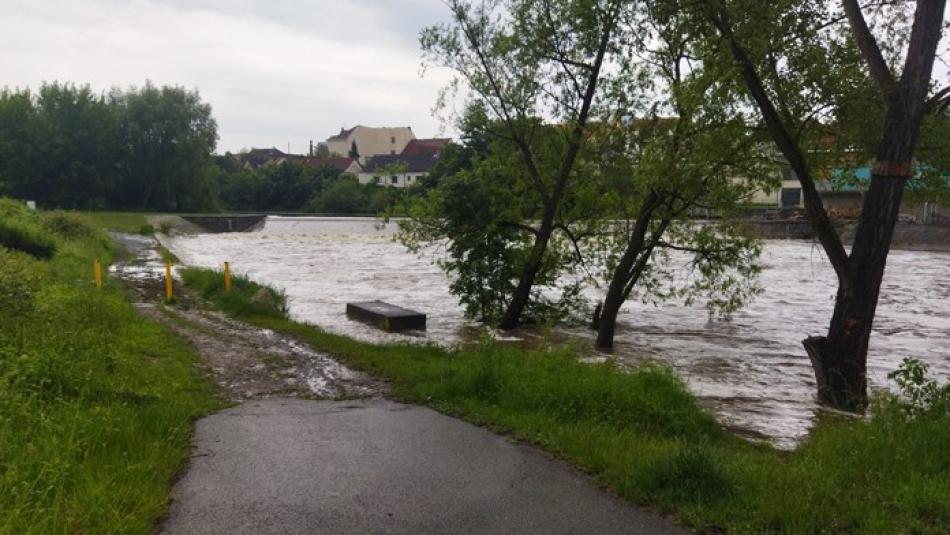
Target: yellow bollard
x,y
168,281
97,273
227,276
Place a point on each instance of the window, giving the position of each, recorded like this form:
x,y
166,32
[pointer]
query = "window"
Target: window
x,y
392,151
395,179
392,139
408,179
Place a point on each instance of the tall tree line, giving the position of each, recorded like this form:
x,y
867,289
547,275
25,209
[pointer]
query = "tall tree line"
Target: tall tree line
x,y
67,146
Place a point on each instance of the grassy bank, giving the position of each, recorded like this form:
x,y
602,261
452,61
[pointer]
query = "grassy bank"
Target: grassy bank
x,y
96,403
643,435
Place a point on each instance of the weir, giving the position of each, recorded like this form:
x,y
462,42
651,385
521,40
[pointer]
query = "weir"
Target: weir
x,y
226,222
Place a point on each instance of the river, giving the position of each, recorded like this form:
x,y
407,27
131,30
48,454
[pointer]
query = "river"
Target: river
x,y
750,370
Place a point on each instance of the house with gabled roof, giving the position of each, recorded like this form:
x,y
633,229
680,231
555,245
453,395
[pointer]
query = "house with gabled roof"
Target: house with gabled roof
x,y
257,158
397,170
433,146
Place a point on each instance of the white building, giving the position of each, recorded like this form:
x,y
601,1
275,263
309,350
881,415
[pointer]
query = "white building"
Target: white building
x,y
397,171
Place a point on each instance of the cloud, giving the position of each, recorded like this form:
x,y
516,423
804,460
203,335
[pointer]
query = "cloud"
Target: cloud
x,y
274,72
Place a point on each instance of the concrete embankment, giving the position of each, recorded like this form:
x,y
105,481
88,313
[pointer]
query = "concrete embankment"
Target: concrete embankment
x,y
907,236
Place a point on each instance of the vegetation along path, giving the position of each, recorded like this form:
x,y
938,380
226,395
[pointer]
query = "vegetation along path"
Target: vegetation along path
x,y
283,462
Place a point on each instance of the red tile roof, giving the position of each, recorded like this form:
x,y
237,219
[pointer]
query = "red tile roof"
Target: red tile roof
x,y
418,147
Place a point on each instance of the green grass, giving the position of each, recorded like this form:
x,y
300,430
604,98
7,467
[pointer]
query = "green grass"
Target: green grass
x,y
96,402
642,434
129,222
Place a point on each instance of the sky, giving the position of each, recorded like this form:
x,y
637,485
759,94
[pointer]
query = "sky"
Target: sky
x,y
275,71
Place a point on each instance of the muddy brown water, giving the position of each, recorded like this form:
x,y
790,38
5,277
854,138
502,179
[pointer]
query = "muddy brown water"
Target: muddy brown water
x,y
751,370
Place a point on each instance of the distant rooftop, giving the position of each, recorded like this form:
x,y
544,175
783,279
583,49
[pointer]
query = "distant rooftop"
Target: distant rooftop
x,y
417,163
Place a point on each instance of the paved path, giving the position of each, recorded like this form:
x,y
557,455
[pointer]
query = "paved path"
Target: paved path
x,y
373,466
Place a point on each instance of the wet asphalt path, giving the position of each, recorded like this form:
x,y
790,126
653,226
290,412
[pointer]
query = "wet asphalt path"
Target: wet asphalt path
x,y
292,466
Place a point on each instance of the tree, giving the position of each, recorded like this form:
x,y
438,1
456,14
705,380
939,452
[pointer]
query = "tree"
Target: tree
x,y
660,170
170,136
354,151
781,73
522,60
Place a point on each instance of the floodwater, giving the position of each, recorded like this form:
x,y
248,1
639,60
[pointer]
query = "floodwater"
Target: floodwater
x,y
751,370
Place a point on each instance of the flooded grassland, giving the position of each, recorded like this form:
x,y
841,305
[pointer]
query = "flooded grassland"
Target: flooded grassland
x,y
751,370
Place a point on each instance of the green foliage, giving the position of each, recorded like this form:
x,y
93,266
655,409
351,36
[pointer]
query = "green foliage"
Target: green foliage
x,y
20,278
483,214
96,403
26,237
68,225
921,394
345,195
68,147
246,298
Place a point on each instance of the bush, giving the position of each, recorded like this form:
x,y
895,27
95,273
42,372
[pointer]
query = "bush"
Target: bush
x,y
245,299
67,225
26,238
20,277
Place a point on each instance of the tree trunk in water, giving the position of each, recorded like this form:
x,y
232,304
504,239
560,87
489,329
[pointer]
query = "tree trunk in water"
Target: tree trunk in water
x,y
840,358
624,272
522,293
615,298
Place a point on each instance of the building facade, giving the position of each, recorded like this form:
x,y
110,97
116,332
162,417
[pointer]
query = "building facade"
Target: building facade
x,y
369,141
397,171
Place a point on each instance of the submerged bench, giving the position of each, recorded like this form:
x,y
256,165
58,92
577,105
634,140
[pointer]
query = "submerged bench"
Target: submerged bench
x,y
385,316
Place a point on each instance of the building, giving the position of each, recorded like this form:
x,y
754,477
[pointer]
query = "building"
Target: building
x,y
396,170
433,146
369,141
345,165
257,158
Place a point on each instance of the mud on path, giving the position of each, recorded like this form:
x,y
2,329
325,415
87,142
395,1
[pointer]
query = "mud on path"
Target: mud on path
x,y
247,362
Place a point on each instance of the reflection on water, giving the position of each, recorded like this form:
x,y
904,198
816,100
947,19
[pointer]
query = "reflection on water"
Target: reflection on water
x,y
751,370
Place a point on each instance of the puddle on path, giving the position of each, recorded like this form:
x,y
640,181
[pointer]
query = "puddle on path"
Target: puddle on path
x,y
248,362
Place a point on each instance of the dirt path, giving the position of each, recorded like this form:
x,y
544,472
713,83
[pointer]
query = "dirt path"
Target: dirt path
x,y
247,362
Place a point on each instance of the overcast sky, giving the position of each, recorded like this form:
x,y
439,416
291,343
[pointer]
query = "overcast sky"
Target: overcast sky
x,y
274,71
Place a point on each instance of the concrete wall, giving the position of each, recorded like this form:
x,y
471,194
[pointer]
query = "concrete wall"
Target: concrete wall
x,y
225,223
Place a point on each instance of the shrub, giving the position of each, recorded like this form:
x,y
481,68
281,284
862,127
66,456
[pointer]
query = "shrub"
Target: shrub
x,y
28,239
20,277
68,225
245,299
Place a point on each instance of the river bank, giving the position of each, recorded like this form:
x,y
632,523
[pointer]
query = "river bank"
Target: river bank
x,y
751,369
637,431
640,433
96,401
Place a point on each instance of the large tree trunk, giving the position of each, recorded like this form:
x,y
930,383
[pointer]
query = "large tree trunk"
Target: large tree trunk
x,y
840,358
